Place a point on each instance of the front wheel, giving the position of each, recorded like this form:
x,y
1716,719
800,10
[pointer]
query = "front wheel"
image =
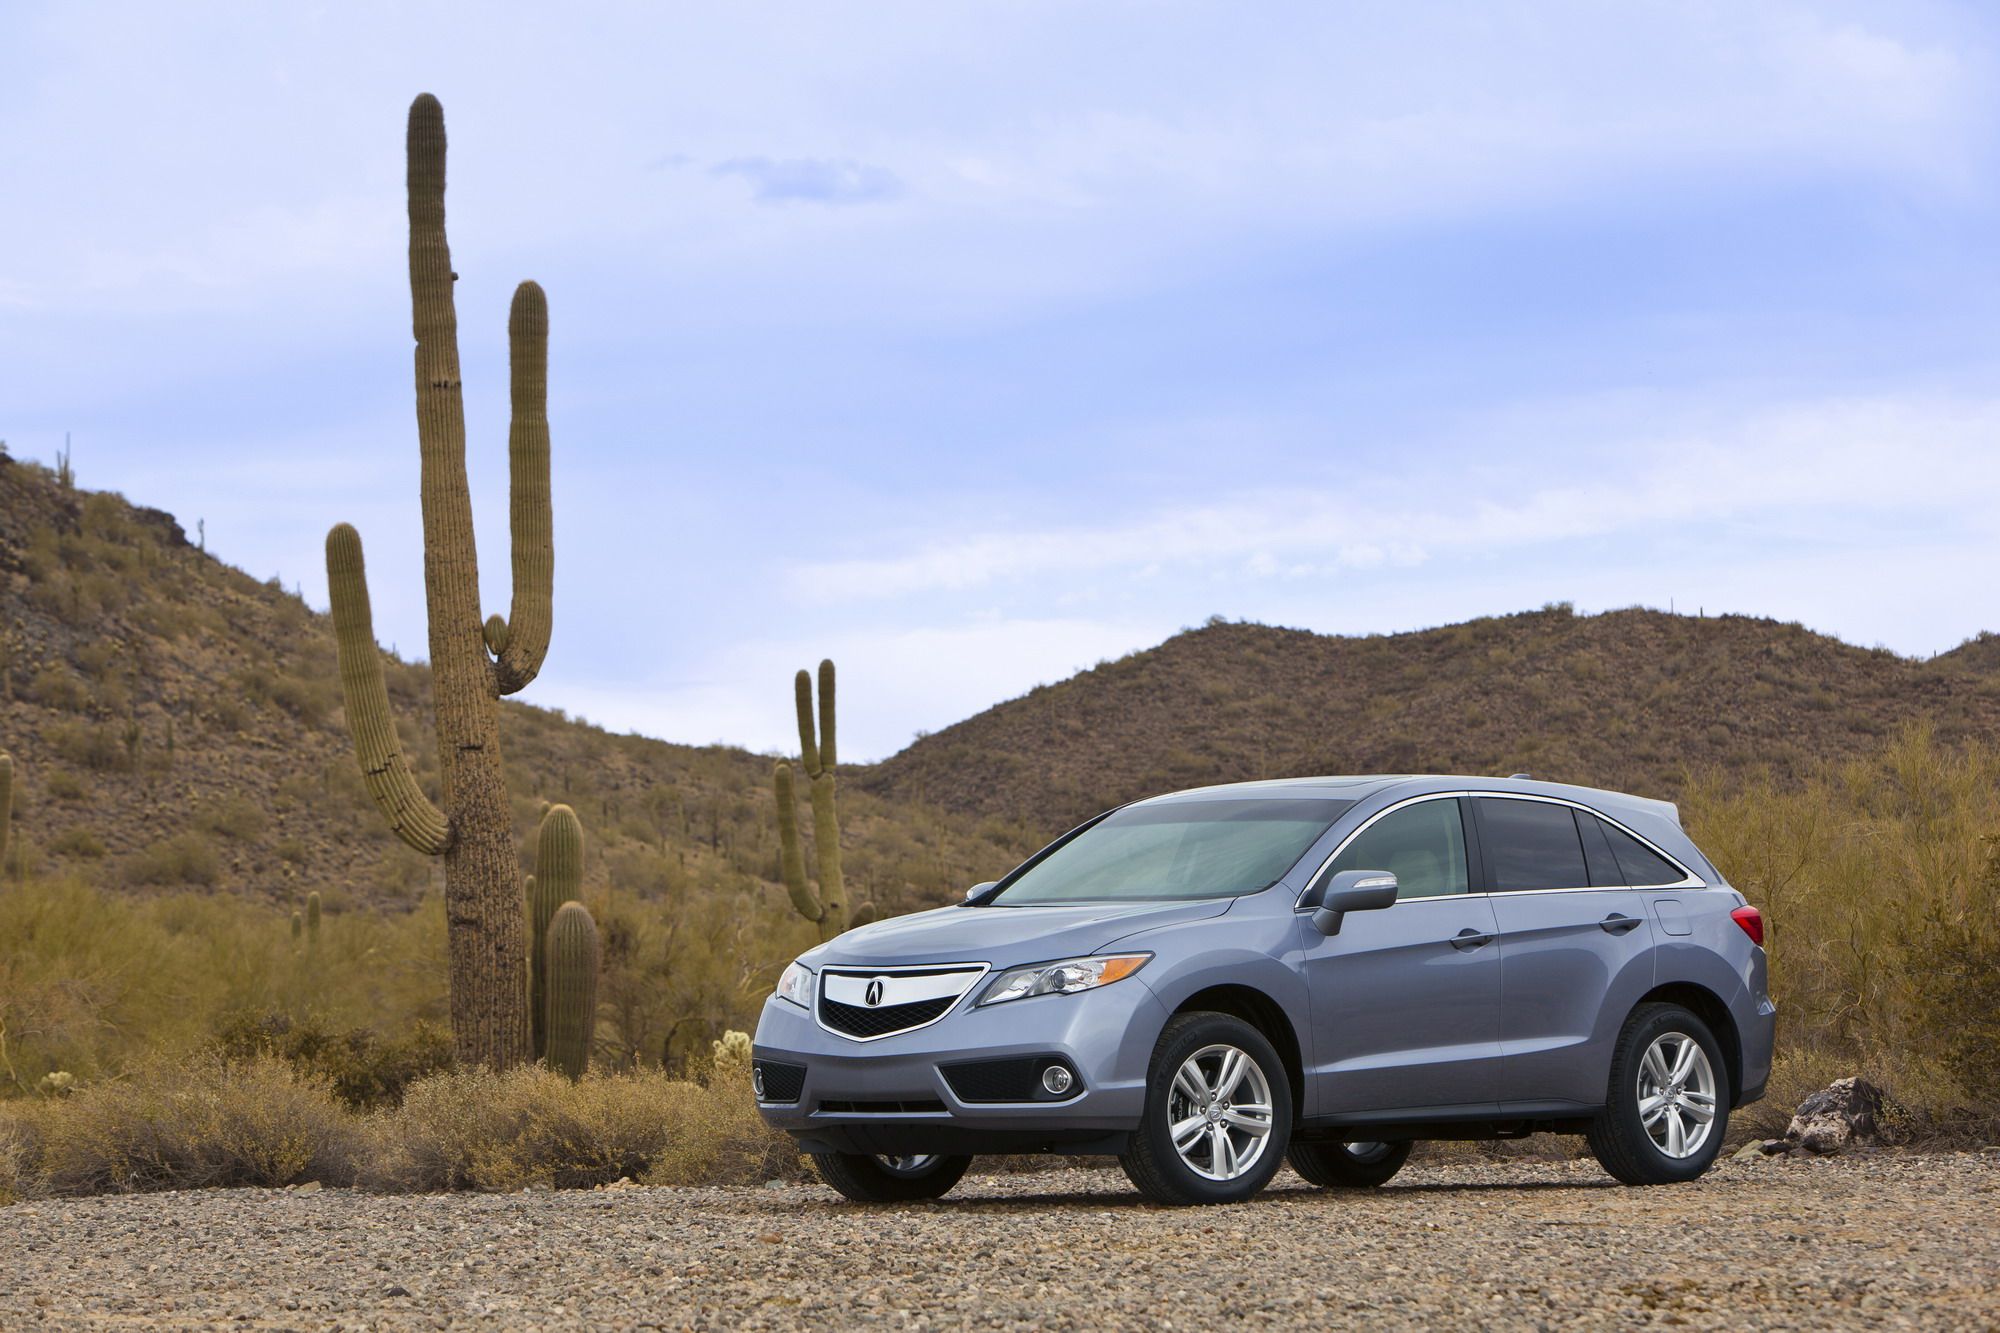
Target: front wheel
x,y
1668,1104
1218,1114
1348,1165
866,1178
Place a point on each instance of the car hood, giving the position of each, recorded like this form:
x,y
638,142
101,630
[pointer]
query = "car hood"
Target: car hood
x,y
1003,936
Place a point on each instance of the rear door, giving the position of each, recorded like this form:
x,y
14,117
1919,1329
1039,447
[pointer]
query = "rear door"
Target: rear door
x,y
1405,1000
1578,949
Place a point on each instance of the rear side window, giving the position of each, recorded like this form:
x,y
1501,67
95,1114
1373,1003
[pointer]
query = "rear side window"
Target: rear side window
x,y
1531,845
1422,845
1641,865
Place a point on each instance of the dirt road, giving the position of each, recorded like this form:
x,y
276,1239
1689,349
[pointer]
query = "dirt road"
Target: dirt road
x,y
1888,1240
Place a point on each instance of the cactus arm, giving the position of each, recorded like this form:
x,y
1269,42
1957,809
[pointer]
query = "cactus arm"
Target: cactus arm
x,y
530,619
863,914
558,879
384,770
6,804
802,695
790,859
572,986
826,758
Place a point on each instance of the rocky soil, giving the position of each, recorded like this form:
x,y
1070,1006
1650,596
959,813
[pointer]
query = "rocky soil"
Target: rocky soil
x,y
1883,1239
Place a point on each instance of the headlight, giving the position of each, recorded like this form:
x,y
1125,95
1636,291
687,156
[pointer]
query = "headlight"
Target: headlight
x,y
796,985
1064,978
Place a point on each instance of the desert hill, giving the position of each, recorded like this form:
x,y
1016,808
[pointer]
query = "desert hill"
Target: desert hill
x,y
177,723
1629,699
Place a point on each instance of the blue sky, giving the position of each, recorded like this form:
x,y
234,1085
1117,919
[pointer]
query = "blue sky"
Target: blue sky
x,y
973,343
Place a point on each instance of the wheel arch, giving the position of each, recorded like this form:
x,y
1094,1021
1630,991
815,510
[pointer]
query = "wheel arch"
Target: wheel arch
x,y
1711,1009
1265,1014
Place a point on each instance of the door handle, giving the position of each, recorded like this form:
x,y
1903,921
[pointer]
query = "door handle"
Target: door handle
x,y
1617,923
1470,939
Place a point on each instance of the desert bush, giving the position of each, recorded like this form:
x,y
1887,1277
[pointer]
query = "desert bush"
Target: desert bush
x,y
77,841
185,858
362,1068
60,688
532,1126
210,1123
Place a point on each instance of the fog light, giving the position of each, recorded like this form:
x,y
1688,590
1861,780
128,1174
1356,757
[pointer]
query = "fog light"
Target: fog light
x,y
1056,1080
757,1082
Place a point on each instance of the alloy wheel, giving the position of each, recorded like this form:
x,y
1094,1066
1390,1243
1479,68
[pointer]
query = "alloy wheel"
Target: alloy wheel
x,y
1219,1112
1677,1094
907,1164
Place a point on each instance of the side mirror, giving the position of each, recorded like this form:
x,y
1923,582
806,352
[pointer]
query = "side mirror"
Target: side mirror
x,y
978,893
1350,891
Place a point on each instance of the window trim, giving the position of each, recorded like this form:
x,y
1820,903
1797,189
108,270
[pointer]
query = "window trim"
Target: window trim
x,y
1478,881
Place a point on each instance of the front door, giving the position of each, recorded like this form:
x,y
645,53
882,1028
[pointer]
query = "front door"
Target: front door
x,y
1406,1000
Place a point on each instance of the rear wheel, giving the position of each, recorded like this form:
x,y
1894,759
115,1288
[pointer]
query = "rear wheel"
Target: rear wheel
x,y
1348,1165
1668,1104
867,1178
1218,1114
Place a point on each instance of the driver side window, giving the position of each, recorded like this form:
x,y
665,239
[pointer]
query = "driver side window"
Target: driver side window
x,y
1422,845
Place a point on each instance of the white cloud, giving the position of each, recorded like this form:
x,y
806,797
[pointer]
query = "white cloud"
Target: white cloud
x,y
1832,463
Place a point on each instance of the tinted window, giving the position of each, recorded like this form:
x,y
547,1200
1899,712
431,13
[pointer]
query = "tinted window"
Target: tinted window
x,y
1641,864
1604,871
1531,845
1182,849
1423,845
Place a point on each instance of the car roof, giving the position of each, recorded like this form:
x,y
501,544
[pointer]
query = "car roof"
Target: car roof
x,y
1359,787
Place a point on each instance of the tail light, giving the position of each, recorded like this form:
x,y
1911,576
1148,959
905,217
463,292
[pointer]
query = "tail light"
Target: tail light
x,y
1752,922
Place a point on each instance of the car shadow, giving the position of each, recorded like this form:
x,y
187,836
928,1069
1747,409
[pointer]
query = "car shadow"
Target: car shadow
x,y
1287,1196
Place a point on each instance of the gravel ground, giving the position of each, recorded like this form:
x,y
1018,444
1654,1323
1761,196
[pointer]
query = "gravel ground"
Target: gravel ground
x,y
1888,1239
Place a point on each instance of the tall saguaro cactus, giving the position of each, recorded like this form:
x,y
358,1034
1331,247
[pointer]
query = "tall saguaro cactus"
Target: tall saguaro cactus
x,y
473,661
827,908
558,879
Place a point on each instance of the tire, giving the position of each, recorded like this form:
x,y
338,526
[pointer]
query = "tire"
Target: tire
x,y
869,1179
1620,1135
1160,1170
1349,1166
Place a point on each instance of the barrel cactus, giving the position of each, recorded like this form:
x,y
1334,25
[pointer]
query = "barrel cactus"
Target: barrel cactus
x,y
828,907
574,955
474,661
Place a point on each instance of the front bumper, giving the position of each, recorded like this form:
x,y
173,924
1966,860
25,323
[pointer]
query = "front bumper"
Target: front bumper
x,y
1106,1036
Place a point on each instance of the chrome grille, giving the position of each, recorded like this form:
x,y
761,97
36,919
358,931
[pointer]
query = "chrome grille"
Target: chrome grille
x,y
863,1004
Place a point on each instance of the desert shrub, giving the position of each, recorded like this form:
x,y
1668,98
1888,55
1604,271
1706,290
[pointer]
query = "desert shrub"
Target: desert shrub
x,y
209,1123
364,1069
94,746
532,1126
77,841
63,785
236,817
1954,956
59,687
183,859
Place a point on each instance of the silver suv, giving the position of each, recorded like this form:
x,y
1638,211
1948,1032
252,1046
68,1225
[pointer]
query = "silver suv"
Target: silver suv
x,y
1324,970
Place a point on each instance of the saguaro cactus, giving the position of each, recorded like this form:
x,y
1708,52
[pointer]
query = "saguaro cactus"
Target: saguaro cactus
x,y
312,919
827,908
558,879
573,959
473,663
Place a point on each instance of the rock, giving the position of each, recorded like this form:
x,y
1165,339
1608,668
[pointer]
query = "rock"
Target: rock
x,y
1844,1114
309,1187
1750,1152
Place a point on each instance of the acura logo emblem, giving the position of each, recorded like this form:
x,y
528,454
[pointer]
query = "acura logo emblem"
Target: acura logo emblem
x,y
873,995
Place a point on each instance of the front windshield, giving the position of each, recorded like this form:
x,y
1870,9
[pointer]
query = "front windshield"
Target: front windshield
x,y
1178,850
